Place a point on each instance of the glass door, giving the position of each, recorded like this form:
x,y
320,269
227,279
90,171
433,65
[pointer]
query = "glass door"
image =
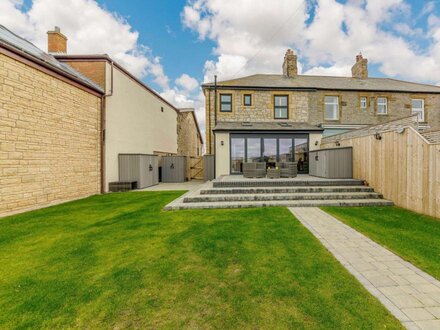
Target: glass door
x,y
270,151
254,150
302,154
285,150
269,148
237,155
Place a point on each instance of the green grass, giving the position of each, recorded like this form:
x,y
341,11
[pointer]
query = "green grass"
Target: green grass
x,y
118,261
414,237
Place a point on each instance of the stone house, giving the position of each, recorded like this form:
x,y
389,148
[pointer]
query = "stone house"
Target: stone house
x,y
50,129
189,138
272,117
137,120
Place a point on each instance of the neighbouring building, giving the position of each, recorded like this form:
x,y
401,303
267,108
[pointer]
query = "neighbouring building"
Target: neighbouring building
x,y
50,129
281,117
189,138
137,120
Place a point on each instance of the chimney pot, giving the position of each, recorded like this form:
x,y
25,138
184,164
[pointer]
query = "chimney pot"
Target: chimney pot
x,y
56,41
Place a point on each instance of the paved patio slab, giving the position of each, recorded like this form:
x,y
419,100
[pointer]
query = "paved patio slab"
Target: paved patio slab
x,y
410,294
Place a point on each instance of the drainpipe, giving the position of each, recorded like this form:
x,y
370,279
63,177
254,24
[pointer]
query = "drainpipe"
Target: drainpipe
x,y
209,121
215,123
103,127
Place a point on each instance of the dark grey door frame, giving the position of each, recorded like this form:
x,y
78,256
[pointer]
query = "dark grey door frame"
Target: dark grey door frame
x,y
262,136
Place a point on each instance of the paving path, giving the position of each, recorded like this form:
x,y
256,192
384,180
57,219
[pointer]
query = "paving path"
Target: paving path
x,y
410,294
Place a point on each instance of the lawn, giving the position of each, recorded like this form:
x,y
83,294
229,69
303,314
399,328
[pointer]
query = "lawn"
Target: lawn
x,y
414,237
118,261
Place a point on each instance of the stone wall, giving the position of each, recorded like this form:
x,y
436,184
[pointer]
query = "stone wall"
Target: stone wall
x,y
188,138
309,107
49,139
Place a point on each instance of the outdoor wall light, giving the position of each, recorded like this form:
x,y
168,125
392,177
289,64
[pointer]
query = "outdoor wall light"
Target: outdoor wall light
x,y
222,143
338,143
378,136
316,143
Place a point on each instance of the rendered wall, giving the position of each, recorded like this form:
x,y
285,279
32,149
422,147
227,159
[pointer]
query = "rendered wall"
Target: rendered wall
x,y
135,123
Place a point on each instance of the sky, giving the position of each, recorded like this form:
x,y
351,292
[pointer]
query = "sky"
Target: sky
x,y
176,45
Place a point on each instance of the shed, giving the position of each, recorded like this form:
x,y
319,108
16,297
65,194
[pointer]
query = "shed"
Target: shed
x,y
174,168
142,168
332,163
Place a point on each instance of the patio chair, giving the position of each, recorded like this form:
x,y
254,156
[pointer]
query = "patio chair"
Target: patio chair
x,y
254,170
288,169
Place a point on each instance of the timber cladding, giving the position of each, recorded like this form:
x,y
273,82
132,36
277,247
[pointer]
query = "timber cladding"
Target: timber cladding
x,y
49,139
404,167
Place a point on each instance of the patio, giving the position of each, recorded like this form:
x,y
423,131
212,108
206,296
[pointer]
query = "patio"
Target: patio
x,y
235,191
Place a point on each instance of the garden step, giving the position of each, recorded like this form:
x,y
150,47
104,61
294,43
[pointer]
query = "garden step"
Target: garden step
x,y
291,203
285,190
280,197
285,183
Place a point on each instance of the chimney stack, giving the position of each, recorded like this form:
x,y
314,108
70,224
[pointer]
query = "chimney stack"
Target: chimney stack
x,y
290,67
360,68
56,41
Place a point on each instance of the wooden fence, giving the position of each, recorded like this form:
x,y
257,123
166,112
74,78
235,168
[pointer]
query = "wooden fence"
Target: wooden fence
x,y
400,163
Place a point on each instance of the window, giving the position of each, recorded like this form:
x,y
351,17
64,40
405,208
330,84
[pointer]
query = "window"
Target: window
x,y
331,107
247,99
418,108
382,105
281,106
363,102
226,102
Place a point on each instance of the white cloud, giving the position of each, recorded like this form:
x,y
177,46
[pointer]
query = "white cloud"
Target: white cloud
x,y
187,82
326,42
89,29
251,36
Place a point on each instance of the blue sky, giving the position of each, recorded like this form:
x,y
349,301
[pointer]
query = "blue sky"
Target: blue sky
x,y
175,45
160,28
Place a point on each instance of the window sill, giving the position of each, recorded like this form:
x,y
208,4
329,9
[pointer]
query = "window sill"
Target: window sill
x,y
382,114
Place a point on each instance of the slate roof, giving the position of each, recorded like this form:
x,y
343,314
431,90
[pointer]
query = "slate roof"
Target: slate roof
x,y
265,126
274,81
10,39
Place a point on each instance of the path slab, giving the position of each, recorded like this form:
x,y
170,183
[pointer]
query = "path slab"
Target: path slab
x,y
406,291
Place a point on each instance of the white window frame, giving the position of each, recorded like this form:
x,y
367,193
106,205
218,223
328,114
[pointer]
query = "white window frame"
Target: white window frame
x,y
419,111
363,102
382,104
333,103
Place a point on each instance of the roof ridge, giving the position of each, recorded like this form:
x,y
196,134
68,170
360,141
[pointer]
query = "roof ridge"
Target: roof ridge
x,y
411,82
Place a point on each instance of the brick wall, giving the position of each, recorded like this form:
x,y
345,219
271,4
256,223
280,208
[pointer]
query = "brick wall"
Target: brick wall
x,y
93,70
49,139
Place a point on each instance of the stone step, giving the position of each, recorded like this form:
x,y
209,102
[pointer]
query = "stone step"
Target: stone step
x,y
280,197
285,183
286,190
302,203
